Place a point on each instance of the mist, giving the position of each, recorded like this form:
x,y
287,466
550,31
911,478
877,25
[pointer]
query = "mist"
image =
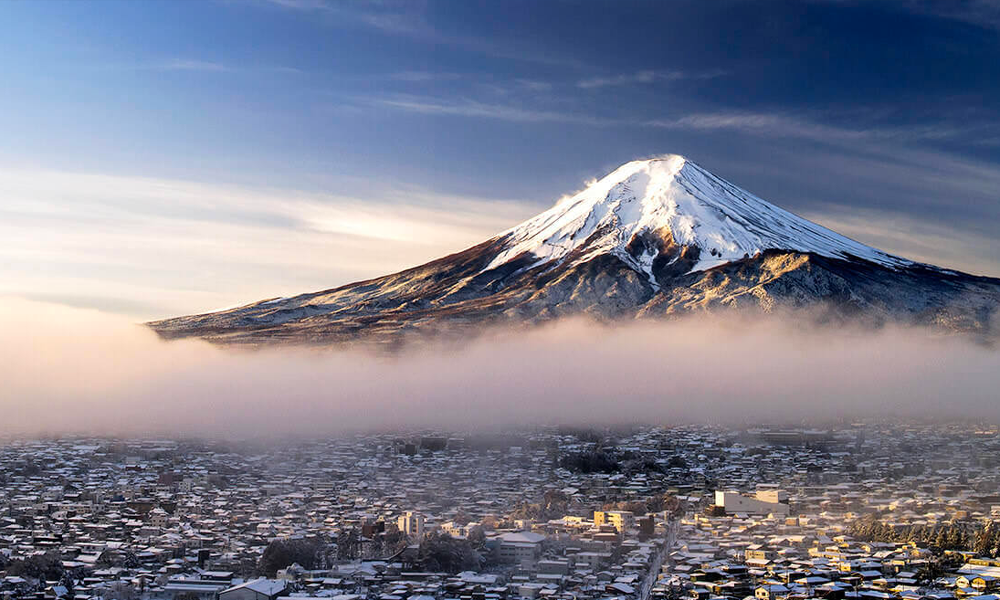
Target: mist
x,y
66,370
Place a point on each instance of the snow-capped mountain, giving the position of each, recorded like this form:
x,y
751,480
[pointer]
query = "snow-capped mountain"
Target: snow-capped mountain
x,y
672,200
653,238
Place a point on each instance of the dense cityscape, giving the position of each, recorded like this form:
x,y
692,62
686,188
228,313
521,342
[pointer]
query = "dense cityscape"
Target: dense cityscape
x,y
865,510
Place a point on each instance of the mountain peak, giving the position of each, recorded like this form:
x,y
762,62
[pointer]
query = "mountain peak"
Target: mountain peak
x,y
653,238
667,208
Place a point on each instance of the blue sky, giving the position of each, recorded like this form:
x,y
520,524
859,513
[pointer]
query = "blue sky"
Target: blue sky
x,y
163,157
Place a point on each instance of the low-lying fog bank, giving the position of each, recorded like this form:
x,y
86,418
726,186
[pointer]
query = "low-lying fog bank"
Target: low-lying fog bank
x,y
66,370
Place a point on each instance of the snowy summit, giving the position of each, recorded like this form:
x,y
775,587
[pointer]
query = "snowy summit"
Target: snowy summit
x,y
671,198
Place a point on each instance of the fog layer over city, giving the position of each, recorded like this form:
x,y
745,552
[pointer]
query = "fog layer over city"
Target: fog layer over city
x,y
71,370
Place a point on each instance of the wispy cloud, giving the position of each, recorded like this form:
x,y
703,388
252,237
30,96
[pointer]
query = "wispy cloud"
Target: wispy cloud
x,y
188,247
472,108
389,16
409,19
423,76
301,4
771,124
533,85
784,125
195,65
648,76
178,64
980,13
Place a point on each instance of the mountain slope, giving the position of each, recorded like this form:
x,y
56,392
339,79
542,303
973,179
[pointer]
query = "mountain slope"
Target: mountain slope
x,y
673,196
653,238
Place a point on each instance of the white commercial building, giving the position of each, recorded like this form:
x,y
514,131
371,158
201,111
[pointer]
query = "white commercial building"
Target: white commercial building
x,y
766,502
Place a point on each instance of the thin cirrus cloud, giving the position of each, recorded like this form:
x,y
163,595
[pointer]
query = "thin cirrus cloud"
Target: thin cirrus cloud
x,y
984,14
407,19
178,64
153,247
648,76
423,76
772,125
472,108
781,125
767,125
209,66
